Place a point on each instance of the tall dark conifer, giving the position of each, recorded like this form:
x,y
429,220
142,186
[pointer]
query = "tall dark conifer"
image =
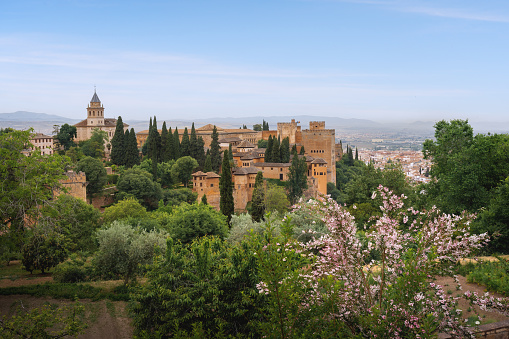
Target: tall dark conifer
x,y
164,143
185,144
258,201
118,144
297,178
302,150
226,205
276,156
268,150
170,147
176,143
200,151
208,164
215,152
132,154
284,150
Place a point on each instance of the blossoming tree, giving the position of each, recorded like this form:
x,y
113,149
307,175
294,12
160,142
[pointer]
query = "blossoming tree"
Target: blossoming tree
x,y
372,284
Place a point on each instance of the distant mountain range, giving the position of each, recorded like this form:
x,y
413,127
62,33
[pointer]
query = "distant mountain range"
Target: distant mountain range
x,y
43,123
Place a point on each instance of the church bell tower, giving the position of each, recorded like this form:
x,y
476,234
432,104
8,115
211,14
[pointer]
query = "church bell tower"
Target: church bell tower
x,y
95,112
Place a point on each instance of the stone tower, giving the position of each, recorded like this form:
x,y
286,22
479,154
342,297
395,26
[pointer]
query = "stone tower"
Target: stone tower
x,y
95,112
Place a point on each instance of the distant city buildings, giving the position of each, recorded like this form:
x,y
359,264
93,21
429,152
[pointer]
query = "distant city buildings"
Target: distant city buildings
x,y
412,163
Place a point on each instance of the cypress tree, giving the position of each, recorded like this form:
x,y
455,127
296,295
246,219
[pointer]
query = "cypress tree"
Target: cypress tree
x,y
215,152
132,153
184,144
118,144
265,126
302,150
297,178
356,154
258,201
200,151
268,151
276,156
170,147
193,143
164,143
126,145
294,149
284,150
176,143
204,199
208,164
144,148
226,205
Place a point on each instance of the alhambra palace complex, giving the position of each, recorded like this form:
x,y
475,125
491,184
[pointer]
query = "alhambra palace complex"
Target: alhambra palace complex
x,y
318,142
320,154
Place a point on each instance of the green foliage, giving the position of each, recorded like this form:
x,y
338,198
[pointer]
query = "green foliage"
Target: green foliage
x,y
177,196
69,291
122,249
208,164
466,169
111,179
258,199
276,152
226,204
215,151
73,218
118,144
493,275
188,222
204,199
164,143
44,322
43,250
284,150
297,178
185,144
25,182
95,173
265,125
242,226
176,144
494,219
94,147
207,284
262,143
66,136
127,208
183,169
132,154
73,270
138,183
276,199
257,127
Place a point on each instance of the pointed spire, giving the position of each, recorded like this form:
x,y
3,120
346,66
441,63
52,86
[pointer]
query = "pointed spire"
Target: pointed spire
x,y
95,98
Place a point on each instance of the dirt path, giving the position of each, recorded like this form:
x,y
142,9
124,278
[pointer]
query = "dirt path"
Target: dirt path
x,y
106,319
449,286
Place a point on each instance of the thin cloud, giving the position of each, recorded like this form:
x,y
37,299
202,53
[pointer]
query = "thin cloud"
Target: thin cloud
x,y
417,7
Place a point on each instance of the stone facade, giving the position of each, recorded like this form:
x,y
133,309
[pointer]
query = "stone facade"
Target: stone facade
x,y
42,142
75,185
207,184
233,136
95,119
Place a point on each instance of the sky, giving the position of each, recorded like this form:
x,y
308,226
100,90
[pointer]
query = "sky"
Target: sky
x,y
383,60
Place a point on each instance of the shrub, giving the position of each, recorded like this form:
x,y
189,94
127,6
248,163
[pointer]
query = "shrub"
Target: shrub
x,y
123,248
43,251
208,284
128,208
72,271
112,179
188,222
